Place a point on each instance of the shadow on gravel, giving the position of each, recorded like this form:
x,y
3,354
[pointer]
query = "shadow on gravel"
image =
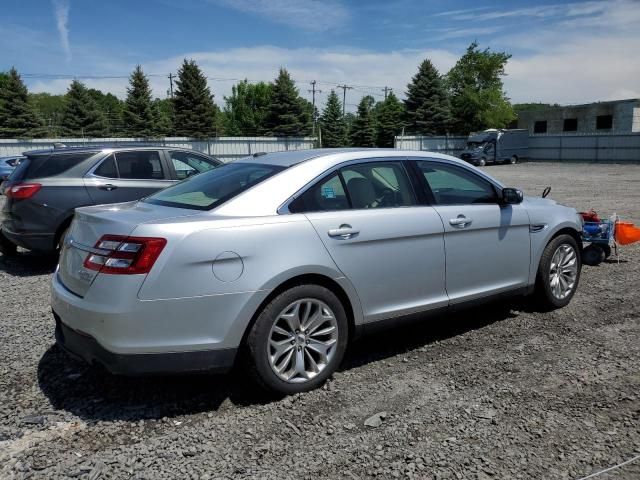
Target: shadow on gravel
x,y
27,264
95,395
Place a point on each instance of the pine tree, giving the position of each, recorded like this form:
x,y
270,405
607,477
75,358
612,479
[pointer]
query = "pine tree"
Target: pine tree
x,y
427,102
162,114
138,112
287,115
81,116
389,121
332,123
363,130
194,110
18,118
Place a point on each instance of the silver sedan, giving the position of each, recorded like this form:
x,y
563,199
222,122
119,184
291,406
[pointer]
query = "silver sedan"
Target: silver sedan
x,y
280,260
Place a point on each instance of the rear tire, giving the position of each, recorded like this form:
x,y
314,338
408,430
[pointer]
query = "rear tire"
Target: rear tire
x,y
558,273
284,344
7,247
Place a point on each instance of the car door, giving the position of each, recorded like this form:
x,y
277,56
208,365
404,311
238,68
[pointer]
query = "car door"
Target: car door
x,y
388,246
487,243
185,164
127,175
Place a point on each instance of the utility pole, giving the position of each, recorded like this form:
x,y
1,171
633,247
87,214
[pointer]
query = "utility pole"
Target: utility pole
x,y
171,85
313,101
344,95
386,90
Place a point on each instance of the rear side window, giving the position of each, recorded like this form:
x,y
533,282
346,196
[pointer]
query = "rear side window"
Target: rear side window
x,y
107,168
213,188
359,186
325,196
41,166
141,165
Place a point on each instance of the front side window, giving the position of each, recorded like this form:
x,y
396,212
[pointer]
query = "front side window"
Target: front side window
x,y
141,165
187,164
213,188
453,185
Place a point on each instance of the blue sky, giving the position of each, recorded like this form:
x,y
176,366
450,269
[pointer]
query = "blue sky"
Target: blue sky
x,y
565,52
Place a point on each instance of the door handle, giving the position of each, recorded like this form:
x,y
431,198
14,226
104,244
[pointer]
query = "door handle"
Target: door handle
x,y
107,186
460,221
345,232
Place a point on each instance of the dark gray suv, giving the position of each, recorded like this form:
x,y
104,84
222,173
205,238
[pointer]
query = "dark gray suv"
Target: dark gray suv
x,y
45,188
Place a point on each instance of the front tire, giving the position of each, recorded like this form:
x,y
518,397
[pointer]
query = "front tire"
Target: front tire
x,y
481,163
298,340
558,273
513,160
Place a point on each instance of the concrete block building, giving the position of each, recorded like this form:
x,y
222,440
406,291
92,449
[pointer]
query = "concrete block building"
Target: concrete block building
x,y
619,116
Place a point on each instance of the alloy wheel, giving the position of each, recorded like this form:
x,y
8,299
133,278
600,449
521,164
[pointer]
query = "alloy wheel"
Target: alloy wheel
x,y
302,340
563,271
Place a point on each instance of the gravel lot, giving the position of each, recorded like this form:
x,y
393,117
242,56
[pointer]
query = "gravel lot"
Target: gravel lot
x,y
491,393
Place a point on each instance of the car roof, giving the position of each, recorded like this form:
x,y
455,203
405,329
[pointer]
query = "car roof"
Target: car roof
x,y
103,147
336,155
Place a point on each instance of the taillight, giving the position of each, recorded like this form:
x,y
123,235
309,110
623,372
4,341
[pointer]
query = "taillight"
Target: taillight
x,y
20,191
125,255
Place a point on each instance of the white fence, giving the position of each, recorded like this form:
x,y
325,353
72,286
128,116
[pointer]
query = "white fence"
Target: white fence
x,y
225,148
619,148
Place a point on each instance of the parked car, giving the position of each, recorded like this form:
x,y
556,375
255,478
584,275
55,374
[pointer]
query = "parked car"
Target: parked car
x,y
48,185
7,164
281,259
496,146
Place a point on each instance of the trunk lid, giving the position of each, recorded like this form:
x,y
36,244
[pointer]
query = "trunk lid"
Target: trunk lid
x,y
90,224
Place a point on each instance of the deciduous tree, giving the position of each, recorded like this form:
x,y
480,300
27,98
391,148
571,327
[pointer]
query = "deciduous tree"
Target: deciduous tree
x,y
478,100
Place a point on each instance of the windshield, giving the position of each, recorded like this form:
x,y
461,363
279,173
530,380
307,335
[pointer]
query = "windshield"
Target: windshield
x,y
211,189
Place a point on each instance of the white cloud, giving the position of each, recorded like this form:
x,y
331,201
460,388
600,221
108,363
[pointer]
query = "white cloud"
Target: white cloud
x,y
61,11
314,15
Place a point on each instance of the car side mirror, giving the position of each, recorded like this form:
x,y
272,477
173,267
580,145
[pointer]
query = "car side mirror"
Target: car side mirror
x,y
512,196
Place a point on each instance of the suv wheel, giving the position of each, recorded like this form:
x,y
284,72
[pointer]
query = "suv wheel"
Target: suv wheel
x,y
481,163
7,247
558,273
298,340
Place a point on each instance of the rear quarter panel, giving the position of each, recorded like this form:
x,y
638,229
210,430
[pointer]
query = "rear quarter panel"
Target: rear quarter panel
x,y
264,252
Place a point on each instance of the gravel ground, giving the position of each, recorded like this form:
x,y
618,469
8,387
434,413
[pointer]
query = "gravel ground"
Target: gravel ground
x,y
491,393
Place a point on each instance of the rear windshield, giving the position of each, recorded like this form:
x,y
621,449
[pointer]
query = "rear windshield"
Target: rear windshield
x,y
211,189
41,166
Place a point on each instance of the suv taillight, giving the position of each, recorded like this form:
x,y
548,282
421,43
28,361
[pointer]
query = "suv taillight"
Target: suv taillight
x,y
125,255
20,191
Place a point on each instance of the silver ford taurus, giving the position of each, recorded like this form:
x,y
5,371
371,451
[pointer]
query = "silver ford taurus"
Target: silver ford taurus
x,y
279,260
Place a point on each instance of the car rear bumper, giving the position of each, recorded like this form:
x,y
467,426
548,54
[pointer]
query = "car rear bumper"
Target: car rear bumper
x,y
41,242
86,348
